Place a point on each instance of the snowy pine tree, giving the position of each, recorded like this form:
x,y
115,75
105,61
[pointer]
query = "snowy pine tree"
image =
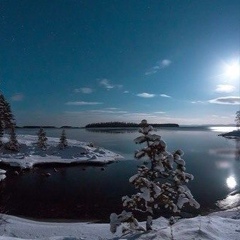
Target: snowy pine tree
x,y
42,139
63,140
13,144
6,121
163,185
8,117
6,113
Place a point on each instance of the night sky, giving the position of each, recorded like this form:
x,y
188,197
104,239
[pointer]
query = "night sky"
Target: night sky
x,y
66,62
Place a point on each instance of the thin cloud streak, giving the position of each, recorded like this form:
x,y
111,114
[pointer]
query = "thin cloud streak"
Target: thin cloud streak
x,y
158,66
230,100
165,95
111,108
146,95
82,103
195,102
107,111
160,112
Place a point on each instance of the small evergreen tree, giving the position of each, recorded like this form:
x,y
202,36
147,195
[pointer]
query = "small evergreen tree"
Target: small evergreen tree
x,y
6,113
13,144
2,106
237,119
163,185
42,139
8,116
63,140
6,120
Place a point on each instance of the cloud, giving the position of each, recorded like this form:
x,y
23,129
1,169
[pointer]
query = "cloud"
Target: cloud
x,y
82,103
106,84
224,88
107,111
17,97
83,90
160,112
230,100
164,95
126,92
165,63
150,72
194,102
158,66
146,95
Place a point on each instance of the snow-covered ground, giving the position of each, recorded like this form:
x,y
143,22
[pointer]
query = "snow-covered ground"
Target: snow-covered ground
x,y
76,152
223,225
2,174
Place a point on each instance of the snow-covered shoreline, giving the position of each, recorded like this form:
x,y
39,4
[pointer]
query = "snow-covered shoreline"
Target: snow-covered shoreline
x,y
76,153
219,225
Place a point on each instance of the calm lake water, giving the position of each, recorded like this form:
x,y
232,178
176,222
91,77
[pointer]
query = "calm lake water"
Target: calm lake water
x,y
93,192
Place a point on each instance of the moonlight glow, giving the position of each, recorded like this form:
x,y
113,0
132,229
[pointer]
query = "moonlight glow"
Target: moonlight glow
x,y
231,182
232,70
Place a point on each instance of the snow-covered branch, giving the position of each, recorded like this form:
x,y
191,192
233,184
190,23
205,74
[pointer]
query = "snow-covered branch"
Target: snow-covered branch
x,y
161,186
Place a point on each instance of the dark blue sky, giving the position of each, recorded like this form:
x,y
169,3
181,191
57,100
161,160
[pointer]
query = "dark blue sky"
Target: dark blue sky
x,y
66,62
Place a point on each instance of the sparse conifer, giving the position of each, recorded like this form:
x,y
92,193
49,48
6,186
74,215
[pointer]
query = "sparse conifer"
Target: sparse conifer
x,y
6,122
42,139
13,144
63,140
8,116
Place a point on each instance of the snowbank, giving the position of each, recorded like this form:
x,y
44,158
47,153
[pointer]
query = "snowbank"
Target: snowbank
x,y
220,226
76,152
2,174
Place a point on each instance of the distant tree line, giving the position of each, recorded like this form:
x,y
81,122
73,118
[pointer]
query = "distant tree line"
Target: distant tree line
x,y
126,124
111,124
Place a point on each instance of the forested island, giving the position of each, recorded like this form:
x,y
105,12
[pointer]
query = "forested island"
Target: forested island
x,y
126,125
